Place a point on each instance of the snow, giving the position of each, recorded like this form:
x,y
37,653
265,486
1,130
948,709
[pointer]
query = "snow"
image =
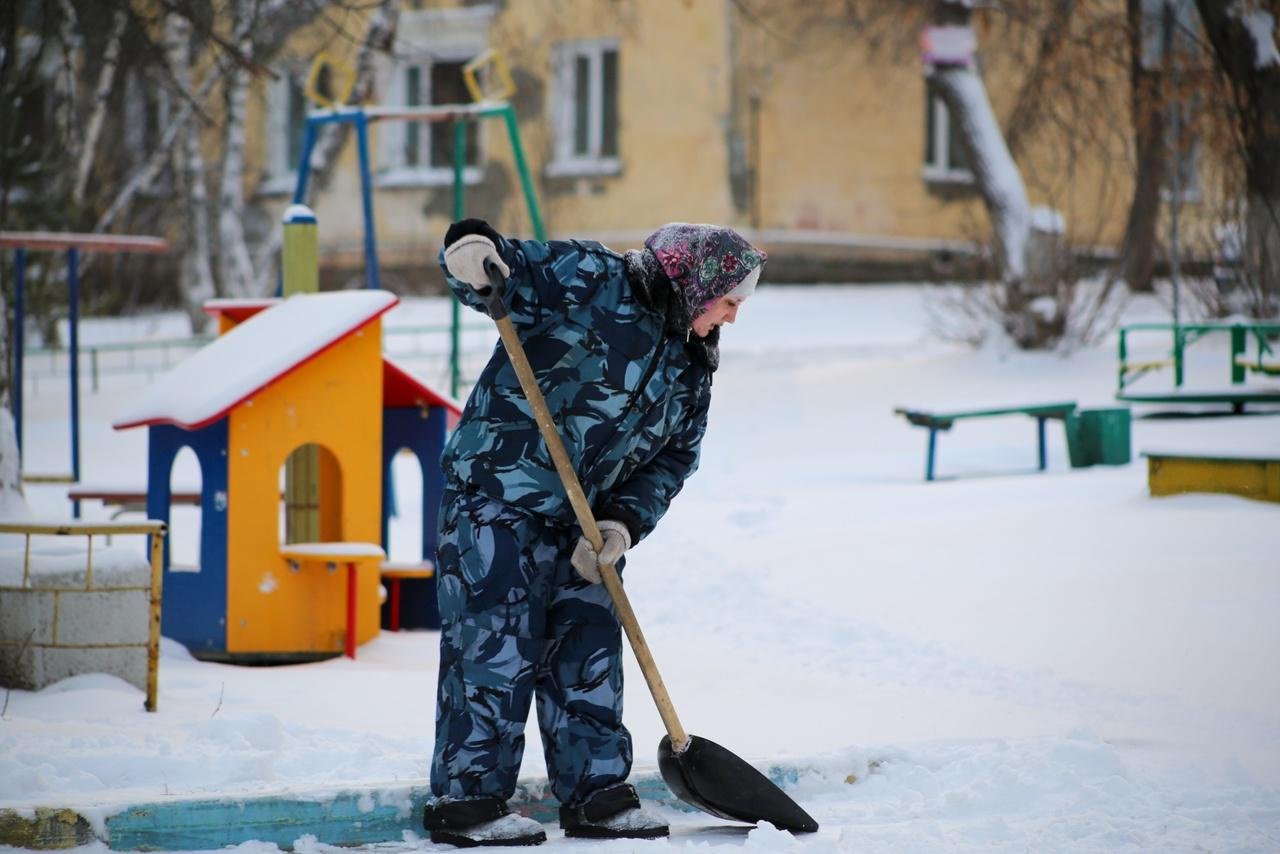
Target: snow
x,y
1002,660
1261,26
332,550
251,355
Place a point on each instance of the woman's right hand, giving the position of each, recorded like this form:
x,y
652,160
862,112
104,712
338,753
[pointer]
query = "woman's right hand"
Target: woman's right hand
x,y
465,259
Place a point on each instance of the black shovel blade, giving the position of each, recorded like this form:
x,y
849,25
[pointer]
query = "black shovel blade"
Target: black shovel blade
x,y
712,779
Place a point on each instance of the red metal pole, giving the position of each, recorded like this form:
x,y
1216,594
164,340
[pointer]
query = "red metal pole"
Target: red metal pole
x,y
395,604
351,609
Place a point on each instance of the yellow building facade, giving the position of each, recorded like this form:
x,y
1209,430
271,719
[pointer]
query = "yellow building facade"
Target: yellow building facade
x,y
634,114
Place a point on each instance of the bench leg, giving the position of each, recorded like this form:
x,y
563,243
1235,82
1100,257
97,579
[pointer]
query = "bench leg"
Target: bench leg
x,y
395,604
928,457
351,609
1040,431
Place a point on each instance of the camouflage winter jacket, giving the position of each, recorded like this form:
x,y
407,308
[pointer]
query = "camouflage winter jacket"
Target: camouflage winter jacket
x,y
630,399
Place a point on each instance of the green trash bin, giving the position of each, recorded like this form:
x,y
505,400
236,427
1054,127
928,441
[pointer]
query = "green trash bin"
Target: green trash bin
x,y
1099,437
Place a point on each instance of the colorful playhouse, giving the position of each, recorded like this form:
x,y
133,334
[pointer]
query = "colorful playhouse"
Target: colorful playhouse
x,y
295,417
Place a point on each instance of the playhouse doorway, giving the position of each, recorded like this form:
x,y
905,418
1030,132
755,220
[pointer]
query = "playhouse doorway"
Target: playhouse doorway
x,y
186,519
310,496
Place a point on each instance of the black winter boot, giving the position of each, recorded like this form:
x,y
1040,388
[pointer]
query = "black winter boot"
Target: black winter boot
x,y
612,813
480,821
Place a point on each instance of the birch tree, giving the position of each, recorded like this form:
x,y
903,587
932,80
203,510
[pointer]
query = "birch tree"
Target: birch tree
x,y
235,263
12,502
98,115
197,271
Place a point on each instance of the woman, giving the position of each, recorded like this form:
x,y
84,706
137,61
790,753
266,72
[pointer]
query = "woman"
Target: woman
x,y
623,347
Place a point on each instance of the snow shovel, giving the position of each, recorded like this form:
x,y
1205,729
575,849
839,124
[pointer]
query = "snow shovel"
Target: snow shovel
x,y
699,772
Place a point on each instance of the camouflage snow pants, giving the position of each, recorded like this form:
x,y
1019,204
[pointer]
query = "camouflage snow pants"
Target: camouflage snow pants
x,y
516,620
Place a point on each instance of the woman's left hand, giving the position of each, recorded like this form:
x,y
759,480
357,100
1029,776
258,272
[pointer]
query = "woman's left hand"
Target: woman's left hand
x,y
617,539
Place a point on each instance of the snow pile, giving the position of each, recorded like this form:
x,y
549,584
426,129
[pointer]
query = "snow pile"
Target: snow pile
x,y
1001,660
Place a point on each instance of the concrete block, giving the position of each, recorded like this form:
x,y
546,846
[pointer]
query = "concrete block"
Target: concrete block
x,y
102,617
55,663
18,668
63,565
26,616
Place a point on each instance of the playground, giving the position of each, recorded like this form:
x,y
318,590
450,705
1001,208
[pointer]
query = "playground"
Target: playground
x,y
1001,654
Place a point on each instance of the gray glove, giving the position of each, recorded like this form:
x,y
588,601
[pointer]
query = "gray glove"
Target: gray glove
x,y
465,259
617,539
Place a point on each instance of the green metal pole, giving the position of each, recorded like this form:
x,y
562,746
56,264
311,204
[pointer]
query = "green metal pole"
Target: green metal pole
x,y
1123,358
459,208
1239,346
526,180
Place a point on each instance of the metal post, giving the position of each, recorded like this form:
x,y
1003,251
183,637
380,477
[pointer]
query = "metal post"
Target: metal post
x,y
522,167
1239,346
1040,436
459,210
1124,352
351,610
19,321
928,457
158,540
73,301
304,165
366,200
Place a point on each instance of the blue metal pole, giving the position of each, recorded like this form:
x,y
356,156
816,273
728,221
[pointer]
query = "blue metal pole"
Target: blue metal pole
x,y
928,460
19,321
73,301
304,164
366,199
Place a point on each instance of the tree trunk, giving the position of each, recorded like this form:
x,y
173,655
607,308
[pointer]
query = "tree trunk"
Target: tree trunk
x,y
106,81
197,284
235,267
1147,107
12,503
1243,38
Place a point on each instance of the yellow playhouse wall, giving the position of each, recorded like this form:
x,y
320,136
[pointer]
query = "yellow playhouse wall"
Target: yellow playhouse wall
x,y
334,401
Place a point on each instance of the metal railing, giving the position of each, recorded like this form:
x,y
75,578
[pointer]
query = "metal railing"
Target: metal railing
x,y
155,529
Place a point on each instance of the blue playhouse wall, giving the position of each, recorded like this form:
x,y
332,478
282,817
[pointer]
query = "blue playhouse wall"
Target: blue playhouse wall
x,y
404,427
195,603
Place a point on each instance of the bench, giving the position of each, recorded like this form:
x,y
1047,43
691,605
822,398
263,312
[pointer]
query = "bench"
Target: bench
x,y
937,420
395,573
1255,476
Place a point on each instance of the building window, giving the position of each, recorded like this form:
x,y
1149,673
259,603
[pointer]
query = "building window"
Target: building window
x,y
586,114
944,155
286,131
421,153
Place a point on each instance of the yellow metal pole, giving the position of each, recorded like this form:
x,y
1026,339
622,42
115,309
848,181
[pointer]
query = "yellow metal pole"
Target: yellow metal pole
x,y
300,271
153,634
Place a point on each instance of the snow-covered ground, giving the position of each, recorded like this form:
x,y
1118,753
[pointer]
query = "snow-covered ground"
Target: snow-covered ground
x,y
1002,660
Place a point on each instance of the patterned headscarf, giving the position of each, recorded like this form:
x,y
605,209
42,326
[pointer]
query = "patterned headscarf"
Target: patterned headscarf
x,y
704,262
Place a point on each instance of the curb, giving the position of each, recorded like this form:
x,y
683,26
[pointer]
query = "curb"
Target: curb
x,y
344,817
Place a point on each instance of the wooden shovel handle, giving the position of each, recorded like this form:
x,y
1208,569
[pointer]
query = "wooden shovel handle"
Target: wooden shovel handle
x,y
582,509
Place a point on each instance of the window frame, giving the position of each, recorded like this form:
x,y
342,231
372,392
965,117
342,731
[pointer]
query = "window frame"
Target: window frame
x,y
279,175
940,170
564,161
392,171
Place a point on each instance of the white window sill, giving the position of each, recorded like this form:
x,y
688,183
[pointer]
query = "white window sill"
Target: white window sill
x,y
941,175
584,168
411,177
279,185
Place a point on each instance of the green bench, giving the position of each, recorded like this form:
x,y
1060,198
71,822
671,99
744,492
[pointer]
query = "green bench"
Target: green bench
x,y
934,421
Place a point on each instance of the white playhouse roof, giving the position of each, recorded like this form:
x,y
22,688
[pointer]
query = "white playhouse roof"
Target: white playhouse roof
x,y
252,355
